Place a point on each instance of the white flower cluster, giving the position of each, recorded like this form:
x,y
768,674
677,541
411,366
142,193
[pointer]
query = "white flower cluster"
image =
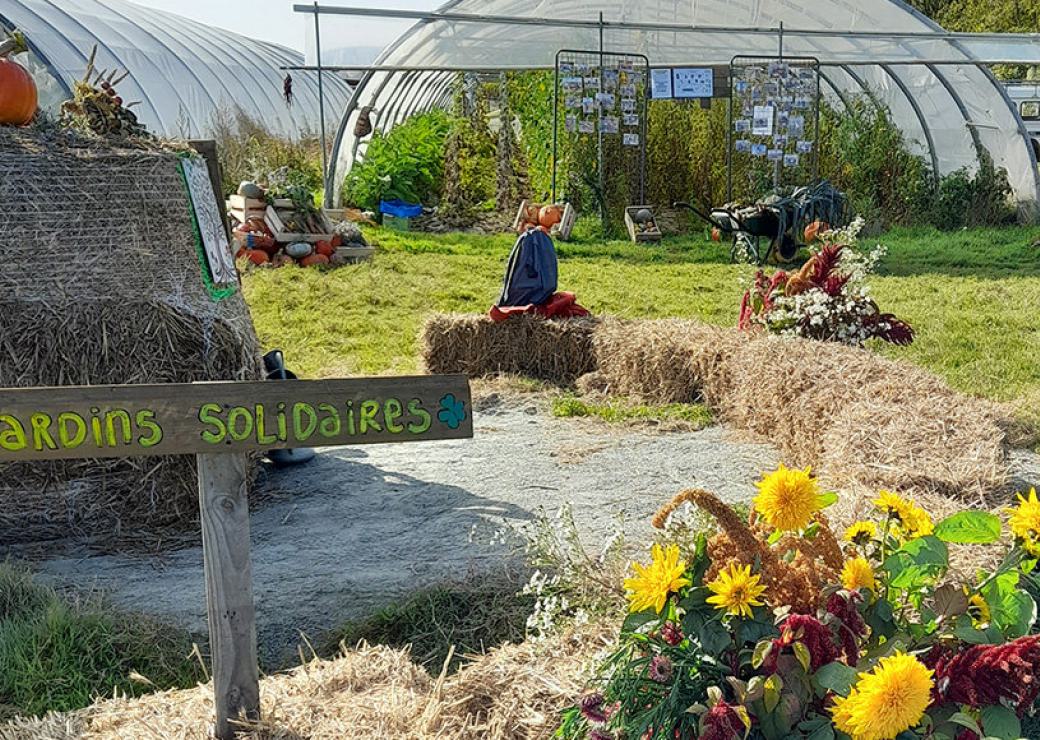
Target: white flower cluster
x,y
816,315
858,265
551,609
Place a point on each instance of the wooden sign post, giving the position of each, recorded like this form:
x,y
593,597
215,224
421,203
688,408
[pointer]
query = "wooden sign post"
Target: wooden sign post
x,y
218,423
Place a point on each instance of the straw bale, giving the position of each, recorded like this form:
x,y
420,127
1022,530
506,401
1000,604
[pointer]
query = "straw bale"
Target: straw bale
x,y
512,693
557,350
661,361
102,285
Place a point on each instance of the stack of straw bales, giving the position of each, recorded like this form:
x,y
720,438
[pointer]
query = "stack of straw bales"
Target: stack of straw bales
x,y
860,418
102,284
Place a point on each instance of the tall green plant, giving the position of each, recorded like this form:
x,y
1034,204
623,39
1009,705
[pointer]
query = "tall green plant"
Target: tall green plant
x,y
406,163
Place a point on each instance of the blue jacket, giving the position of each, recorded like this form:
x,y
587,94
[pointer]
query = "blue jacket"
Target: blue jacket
x,y
531,272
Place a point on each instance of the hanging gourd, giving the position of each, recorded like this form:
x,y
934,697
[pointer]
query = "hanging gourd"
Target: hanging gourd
x,y
18,97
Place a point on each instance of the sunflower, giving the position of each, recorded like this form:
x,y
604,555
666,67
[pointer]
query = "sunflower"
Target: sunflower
x,y
892,504
736,590
857,574
1025,522
861,533
979,611
885,702
916,522
652,583
787,498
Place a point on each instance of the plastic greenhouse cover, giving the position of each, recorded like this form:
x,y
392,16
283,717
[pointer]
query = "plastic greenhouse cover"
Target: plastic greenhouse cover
x,y
184,73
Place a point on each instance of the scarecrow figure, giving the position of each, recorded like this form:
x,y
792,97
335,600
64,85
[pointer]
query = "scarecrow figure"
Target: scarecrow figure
x,y
530,281
287,89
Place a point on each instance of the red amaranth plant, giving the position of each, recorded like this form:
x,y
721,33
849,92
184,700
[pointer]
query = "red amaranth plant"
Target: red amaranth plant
x,y
982,675
844,607
722,722
811,632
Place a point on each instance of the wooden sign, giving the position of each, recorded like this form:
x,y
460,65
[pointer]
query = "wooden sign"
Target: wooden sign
x,y
209,221
200,418
214,421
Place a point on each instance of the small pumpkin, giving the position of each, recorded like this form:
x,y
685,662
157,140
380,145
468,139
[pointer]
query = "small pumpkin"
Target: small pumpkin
x,y
18,95
324,247
314,259
716,234
550,215
813,231
257,256
282,260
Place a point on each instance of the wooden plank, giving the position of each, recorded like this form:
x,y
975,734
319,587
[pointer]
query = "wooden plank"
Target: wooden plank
x,y
191,418
208,149
224,509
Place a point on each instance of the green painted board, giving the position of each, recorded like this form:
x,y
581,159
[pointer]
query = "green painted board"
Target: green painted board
x,y
200,418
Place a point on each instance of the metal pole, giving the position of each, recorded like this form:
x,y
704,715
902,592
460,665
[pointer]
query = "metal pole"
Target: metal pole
x,y
556,122
599,130
321,100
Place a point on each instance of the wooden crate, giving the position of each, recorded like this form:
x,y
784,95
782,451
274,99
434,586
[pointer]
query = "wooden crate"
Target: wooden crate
x,y
634,233
281,234
243,209
563,229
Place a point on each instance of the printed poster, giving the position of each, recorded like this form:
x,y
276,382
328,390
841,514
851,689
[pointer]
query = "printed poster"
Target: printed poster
x,y
762,120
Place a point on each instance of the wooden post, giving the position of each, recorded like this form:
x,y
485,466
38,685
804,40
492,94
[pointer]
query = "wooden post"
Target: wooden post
x,y
229,592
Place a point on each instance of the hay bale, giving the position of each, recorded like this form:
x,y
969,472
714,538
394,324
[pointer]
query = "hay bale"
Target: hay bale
x,y
661,361
557,350
943,446
863,418
102,285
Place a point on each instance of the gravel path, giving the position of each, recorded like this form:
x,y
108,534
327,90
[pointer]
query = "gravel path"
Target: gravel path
x,y
357,528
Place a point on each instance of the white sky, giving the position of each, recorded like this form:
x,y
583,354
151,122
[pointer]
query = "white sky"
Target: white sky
x,y
274,20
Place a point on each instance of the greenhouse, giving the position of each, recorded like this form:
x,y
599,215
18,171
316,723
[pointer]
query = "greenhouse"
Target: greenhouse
x,y
182,72
937,86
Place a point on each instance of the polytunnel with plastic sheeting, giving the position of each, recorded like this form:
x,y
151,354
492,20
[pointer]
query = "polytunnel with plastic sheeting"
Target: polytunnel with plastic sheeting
x,y
937,86
184,74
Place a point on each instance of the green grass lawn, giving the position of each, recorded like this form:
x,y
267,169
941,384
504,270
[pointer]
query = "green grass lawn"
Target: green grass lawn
x,y
972,296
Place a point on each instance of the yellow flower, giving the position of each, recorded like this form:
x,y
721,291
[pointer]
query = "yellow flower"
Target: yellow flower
x,y
916,522
652,583
857,574
978,610
736,590
893,504
885,702
1025,522
861,532
787,498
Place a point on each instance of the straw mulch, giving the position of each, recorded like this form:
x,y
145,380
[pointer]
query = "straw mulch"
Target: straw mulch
x,y
512,693
548,349
102,285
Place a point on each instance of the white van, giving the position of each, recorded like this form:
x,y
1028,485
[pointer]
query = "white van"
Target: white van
x,y
1026,97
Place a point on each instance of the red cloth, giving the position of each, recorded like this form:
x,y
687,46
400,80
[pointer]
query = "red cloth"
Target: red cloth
x,y
560,305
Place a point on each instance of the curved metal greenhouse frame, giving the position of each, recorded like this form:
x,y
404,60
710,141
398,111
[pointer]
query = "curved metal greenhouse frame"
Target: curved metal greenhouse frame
x,y
935,85
182,72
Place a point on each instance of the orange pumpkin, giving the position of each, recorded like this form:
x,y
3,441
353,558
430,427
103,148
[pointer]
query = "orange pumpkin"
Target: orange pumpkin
x,y
716,234
18,97
550,215
314,259
813,231
324,247
257,256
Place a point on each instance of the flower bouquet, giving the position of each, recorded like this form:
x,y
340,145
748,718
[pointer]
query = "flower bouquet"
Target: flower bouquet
x,y
771,628
826,299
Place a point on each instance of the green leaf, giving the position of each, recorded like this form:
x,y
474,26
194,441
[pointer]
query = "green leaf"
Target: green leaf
x,y
775,537
827,499
773,685
762,650
836,677
964,630
917,562
1013,610
823,732
802,653
969,527
965,720
634,621
999,721
714,637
